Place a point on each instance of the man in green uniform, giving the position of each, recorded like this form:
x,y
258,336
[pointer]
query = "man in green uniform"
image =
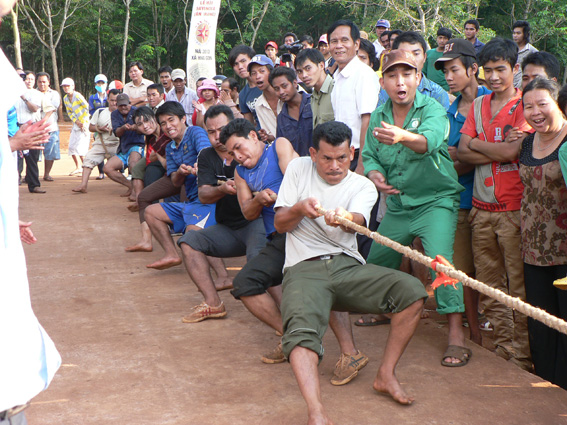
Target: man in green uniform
x,y
406,156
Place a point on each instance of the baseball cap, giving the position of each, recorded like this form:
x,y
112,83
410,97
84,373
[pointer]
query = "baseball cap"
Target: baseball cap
x,y
177,74
260,60
116,84
323,39
122,99
100,77
272,44
383,23
68,82
455,48
398,57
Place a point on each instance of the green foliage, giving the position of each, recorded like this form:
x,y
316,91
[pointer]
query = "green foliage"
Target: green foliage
x,y
158,28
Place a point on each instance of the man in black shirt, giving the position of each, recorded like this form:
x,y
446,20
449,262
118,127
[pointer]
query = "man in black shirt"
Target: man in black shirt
x,y
232,236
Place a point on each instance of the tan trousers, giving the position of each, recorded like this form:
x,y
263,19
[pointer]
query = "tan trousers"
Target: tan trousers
x,y
498,263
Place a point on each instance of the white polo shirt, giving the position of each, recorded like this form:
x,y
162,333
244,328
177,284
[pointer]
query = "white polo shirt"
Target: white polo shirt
x,y
268,120
355,93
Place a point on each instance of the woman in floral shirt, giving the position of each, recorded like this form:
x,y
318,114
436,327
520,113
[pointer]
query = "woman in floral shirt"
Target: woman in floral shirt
x,y
544,224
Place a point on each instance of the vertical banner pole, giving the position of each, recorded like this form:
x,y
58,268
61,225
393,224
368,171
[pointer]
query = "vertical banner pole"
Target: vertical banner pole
x,y
202,41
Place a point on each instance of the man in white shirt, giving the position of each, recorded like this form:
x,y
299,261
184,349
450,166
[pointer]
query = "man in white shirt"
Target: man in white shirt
x,y
381,26
268,105
323,268
182,94
357,86
138,87
27,109
28,358
521,36
50,102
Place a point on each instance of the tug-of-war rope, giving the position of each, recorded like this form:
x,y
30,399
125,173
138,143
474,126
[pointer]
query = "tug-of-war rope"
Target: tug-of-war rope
x,y
448,275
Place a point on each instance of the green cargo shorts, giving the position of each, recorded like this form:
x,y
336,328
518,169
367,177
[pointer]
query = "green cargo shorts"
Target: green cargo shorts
x,y
311,289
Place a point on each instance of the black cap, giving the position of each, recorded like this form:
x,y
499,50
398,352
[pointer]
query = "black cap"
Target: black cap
x,y
455,48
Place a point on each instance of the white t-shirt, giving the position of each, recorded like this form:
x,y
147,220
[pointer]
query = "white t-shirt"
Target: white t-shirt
x,y
312,238
101,117
355,93
24,113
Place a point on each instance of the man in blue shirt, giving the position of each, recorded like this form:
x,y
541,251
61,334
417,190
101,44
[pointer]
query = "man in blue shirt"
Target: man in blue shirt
x,y
415,44
239,58
460,66
181,156
471,30
295,120
131,147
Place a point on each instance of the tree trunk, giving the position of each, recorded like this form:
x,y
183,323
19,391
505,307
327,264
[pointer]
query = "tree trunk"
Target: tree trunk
x,y
125,45
257,27
17,44
99,45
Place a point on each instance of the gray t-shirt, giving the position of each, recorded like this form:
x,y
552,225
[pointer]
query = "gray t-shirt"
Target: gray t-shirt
x,y
312,238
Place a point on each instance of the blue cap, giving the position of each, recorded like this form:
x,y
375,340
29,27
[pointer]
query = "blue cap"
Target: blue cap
x,y
260,60
383,23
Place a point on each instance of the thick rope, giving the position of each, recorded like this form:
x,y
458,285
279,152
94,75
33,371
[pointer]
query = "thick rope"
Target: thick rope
x,y
543,316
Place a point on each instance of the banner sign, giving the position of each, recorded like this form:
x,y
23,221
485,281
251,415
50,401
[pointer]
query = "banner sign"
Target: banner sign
x,y
202,39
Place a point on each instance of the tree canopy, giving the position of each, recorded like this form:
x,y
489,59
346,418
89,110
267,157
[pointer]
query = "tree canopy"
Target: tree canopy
x,y
86,37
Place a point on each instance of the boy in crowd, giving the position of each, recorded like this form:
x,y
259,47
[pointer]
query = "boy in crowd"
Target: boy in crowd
x,y
156,96
239,58
429,69
382,26
521,36
165,78
232,236
472,27
539,64
295,120
181,156
268,105
414,43
105,142
310,67
131,147
460,66
324,270
491,139
406,157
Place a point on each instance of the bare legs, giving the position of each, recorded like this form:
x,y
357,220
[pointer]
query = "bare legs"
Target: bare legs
x,y
158,221
145,245
82,188
471,311
47,170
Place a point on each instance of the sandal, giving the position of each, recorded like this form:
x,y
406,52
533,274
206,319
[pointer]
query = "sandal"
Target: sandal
x,y
457,352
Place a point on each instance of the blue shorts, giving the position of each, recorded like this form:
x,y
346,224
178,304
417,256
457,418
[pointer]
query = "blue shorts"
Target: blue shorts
x,y
183,214
51,149
125,156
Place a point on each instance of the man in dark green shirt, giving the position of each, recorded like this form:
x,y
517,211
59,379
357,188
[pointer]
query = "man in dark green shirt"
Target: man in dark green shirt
x,y
406,157
429,70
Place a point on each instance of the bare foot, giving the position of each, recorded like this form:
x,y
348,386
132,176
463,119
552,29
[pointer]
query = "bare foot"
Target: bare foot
x,y
318,418
127,194
165,263
389,385
80,189
132,198
133,207
139,247
223,283
424,314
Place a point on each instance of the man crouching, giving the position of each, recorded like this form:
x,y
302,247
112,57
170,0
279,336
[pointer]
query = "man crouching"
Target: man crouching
x,y
323,270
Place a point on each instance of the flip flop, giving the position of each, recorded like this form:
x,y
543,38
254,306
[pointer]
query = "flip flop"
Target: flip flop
x,y
48,179
461,353
372,322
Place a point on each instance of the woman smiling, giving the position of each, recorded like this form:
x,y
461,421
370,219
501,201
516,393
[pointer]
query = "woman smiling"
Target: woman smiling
x,y
544,224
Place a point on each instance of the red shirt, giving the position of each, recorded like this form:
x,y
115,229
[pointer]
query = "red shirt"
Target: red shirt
x,y
497,185
156,145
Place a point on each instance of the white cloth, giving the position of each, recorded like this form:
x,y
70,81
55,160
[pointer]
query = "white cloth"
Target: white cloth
x,y
51,101
268,120
24,113
528,48
186,101
101,117
28,358
379,48
356,93
311,238
79,141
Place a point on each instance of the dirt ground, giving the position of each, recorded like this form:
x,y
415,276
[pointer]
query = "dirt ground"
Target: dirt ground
x,y
128,358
